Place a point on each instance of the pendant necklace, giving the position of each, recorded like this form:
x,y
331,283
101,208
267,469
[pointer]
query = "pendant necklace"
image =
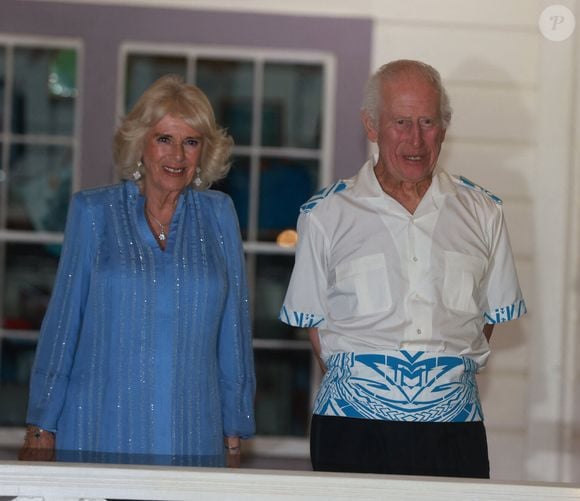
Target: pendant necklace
x,y
161,236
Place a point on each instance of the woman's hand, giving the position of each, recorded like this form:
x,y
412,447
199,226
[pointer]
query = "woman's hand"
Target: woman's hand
x,y
233,447
38,445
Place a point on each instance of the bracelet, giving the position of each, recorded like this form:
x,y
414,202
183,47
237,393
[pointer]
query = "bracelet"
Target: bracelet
x,y
37,432
232,447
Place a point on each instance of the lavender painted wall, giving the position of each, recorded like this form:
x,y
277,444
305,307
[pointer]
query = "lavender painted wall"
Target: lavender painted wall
x,y
102,29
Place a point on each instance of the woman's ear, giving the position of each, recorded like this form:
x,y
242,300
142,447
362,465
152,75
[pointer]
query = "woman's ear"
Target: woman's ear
x,y
370,127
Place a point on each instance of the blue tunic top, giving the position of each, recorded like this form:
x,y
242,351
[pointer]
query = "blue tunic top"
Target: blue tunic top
x,y
145,355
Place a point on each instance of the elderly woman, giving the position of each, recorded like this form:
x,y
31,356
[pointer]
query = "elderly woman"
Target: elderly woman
x,y
145,353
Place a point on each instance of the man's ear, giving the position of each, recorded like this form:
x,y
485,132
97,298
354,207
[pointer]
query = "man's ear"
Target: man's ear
x,y
370,127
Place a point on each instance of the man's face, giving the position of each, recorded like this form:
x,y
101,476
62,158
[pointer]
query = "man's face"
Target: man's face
x,y
410,130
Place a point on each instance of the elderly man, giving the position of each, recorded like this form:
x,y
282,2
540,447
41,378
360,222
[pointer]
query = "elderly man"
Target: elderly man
x,y
401,273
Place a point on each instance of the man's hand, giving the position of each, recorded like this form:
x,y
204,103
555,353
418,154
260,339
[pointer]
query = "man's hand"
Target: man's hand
x,y
487,331
315,341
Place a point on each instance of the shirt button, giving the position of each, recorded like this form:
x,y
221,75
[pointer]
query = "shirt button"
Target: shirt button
x,y
415,259
419,331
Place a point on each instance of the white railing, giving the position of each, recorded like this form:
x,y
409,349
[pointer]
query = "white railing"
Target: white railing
x,y
68,482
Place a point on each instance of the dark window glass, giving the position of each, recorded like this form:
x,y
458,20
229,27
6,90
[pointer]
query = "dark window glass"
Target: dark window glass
x,y
143,70
29,272
285,184
272,277
44,91
292,105
237,186
283,392
15,365
229,86
39,187
2,85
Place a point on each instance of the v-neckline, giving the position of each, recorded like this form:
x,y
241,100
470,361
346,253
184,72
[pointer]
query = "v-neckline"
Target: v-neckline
x,y
145,230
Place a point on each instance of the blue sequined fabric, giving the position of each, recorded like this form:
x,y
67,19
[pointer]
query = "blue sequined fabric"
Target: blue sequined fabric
x,y
145,355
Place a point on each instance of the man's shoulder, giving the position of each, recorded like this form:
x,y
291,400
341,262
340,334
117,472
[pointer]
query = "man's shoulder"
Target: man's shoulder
x,y
464,183
325,195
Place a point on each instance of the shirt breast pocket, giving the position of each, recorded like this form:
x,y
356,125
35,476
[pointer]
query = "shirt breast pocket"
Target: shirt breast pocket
x,y
361,288
463,274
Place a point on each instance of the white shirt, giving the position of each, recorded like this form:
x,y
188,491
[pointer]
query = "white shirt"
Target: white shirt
x,y
374,278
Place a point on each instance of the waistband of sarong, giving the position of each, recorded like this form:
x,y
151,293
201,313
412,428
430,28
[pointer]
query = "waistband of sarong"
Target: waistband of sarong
x,y
400,386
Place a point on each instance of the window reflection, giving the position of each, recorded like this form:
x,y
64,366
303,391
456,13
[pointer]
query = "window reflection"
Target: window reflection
x,y
272,277
39,107
229,86
36,182
283,392
285,184
292,106
237,186
143,70
29,272
39,187
2,86
15,364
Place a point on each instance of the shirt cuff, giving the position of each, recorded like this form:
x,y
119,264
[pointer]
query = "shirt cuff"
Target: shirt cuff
x,y
300,318
506,313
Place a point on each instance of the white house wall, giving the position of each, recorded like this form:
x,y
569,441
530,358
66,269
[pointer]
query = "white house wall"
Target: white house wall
x,y
510,133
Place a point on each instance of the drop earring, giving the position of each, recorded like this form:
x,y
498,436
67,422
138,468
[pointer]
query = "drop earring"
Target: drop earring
x,y
137,172
197,181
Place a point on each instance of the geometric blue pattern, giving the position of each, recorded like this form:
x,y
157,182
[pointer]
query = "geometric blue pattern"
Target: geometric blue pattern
x,y
506,313
400,386
470,184
321,195
299,319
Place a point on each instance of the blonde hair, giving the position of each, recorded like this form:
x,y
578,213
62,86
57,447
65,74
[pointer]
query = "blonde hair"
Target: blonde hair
x,y
390,71
170,95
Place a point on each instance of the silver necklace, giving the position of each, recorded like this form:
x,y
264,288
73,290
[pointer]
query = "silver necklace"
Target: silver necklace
x,y
161,236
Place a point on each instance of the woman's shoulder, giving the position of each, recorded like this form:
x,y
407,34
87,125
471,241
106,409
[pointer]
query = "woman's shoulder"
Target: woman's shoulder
x,y
99,193
94,200
102,194
215,196
218,200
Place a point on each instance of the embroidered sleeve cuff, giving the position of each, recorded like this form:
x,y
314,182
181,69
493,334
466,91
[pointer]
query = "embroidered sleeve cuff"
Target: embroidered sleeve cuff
x,y
506,313
300,319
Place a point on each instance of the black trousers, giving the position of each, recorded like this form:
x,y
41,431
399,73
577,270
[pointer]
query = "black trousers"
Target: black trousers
x,y
399,448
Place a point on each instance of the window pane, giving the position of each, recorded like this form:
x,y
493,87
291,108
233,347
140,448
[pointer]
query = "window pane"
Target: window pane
x,y
16,363
283,392
44,91
292,106
285,184
229,87
237,186
28,278
143,70
2,85
39,187
272,277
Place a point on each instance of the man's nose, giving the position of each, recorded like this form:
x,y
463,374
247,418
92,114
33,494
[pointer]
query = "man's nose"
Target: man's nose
x,y
416,135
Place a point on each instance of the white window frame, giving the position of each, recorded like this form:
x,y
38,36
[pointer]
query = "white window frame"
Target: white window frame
x,y
10,436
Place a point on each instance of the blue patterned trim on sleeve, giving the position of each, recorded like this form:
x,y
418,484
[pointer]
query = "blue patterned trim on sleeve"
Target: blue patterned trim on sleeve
x,y
299,319
473,186
400,386
506,313
321,195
